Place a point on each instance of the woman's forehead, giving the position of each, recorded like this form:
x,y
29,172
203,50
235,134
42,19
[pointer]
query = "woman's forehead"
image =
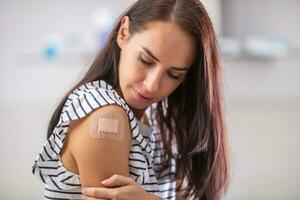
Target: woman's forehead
x,y
168,41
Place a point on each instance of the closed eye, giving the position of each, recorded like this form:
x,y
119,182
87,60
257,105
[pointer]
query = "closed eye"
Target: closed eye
x,y
173,76
143,61
149,64
176,77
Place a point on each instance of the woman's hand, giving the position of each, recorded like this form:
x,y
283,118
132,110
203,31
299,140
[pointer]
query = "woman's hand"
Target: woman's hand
x,y
117,187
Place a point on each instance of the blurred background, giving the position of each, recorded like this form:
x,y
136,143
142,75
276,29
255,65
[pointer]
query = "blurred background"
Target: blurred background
x,y
46,46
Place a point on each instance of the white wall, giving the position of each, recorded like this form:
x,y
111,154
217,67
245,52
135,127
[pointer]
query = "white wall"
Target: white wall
x,y
263,102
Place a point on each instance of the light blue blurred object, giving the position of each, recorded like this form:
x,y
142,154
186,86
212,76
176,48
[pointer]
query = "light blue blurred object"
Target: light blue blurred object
x,y
230,47
50,52
267,47
82,43
70,46
52,47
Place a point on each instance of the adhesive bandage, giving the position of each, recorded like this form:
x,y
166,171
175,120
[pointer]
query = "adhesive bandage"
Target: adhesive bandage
x,y
108,126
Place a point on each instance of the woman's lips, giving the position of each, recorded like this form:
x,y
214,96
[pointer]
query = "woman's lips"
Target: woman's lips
x,y
142,97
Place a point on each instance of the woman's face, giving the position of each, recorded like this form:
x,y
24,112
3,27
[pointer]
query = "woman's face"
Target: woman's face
x,y
153,62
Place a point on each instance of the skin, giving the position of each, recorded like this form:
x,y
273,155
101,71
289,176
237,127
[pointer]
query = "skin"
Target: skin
x,y
153,63
91,157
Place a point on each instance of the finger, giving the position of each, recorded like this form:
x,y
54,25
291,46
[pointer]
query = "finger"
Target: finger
x,y
117,180
98,192
83,197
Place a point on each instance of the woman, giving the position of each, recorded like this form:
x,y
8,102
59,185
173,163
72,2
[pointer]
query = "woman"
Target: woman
x,y
147,116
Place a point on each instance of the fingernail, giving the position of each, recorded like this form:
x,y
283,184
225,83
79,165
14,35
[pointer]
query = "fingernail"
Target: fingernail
x,y
83,191
104,181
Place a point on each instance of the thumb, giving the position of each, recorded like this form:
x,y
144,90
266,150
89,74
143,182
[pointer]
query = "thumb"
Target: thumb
x,y
117,180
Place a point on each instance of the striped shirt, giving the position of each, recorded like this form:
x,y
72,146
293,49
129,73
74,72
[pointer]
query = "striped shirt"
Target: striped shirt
x,y
145,157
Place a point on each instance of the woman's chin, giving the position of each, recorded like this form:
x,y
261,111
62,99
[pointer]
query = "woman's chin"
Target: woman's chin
x,y
137,106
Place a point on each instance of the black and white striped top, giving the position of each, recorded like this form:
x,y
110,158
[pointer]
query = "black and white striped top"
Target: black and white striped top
x,y
145,158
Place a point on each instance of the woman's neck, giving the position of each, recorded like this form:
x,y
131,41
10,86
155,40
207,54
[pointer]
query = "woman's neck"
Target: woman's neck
x,y
138,113
141,116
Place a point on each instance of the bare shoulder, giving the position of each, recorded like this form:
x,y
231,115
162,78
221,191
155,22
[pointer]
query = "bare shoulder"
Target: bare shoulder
x,y
108,122
100,144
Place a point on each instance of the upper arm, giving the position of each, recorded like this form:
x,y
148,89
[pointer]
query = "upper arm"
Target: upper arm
x,y
99,155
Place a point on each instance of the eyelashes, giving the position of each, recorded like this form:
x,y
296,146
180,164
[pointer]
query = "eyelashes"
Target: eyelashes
x,y
149,64
173,76
145,62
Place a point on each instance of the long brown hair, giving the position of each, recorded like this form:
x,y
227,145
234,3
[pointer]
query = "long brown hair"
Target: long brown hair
x,y
193,113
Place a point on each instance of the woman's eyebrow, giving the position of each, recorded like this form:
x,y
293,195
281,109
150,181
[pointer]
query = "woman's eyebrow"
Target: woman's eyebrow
x,y
151,55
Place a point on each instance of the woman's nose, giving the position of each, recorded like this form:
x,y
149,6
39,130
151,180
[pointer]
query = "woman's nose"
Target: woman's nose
x,y
152,81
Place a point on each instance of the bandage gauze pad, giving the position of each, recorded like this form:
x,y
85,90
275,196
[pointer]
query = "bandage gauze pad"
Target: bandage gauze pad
x,y
108,126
